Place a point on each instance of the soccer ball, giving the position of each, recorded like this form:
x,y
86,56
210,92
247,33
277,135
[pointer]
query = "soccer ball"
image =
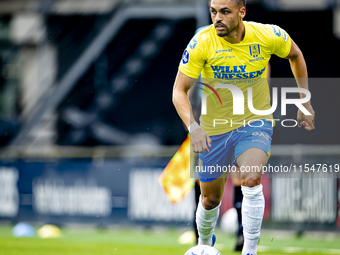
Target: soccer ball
x,y
202,250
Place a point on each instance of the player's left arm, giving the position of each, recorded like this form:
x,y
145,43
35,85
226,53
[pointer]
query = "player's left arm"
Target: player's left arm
x,y
299,69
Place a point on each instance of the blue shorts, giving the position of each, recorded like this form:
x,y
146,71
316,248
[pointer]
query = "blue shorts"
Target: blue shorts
x,y
226,148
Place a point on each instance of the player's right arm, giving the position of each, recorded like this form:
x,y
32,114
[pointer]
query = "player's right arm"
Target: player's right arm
x,y
199,138
190,67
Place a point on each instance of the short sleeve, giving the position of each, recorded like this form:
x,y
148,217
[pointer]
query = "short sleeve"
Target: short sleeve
x,y
281,43
193,58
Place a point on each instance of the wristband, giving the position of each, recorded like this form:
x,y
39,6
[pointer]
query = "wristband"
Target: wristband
x,y
193,127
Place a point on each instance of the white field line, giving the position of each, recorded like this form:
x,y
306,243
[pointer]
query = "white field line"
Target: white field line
x,y
299,250
219,246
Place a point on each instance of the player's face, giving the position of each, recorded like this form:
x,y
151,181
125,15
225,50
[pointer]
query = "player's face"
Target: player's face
x,y
226,16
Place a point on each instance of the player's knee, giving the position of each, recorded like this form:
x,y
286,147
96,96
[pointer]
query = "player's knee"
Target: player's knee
x,y
210,202
251,182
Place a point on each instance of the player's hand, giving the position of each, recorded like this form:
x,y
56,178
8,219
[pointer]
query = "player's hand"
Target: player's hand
x,y
199,141
306,120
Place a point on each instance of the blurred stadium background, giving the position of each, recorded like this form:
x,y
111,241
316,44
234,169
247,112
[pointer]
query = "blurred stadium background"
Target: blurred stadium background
x,y
87,123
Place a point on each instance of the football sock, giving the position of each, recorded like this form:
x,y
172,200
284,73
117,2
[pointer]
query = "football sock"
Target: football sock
x,y
252,215
197,200
206,222
238,197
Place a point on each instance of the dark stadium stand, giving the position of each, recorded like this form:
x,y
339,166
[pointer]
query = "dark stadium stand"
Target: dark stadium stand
x,y
137,62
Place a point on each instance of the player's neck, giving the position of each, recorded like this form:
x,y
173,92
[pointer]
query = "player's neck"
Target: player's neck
x,y
237,35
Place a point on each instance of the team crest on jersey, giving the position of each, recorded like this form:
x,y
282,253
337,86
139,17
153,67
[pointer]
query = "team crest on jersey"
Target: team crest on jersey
x,y
185,57
277,30
255,50
193,43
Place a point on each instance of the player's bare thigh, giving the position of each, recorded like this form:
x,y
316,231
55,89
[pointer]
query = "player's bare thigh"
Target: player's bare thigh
x,y
236,177
253,159
212,193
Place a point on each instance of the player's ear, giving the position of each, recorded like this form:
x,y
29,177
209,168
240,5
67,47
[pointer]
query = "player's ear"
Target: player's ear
x,y
243,12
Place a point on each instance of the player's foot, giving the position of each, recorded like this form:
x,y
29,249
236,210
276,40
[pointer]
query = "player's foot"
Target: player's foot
x,y
249,247
213,240
207,242
239,243
249,252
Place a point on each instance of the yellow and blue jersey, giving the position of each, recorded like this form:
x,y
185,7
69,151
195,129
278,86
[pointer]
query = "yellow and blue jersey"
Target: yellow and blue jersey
x,y
241,64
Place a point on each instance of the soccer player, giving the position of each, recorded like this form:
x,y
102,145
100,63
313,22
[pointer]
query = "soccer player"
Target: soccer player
x,y
233,52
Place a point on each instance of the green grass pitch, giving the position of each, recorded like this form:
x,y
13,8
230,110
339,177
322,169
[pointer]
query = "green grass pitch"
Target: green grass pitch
x,y
151,242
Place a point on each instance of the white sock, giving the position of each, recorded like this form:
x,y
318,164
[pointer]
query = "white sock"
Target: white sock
x,y
252,215
206,222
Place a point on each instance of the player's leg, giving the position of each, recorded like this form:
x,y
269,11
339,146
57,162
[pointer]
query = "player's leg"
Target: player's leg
x,y
213,176
253,200
197,199
208,209
238,197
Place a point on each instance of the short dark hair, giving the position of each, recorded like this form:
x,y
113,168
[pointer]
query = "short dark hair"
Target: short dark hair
x,y
241,2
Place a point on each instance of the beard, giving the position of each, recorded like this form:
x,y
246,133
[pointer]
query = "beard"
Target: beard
x,y
226,32
223,33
